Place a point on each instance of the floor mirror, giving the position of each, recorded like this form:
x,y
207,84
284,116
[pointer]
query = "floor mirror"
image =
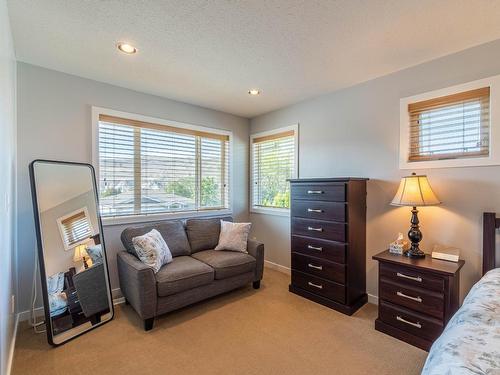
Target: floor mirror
x,y
71,250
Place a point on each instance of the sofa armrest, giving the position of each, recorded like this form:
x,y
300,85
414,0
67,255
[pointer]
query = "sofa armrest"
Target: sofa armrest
x,y
138,284
256,249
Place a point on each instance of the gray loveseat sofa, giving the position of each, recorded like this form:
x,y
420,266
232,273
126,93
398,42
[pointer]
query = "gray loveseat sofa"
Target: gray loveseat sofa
x,y
197,272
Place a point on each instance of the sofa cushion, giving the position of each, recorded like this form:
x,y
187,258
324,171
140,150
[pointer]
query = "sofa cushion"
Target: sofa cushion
x,y
183,273
226,263
203,234
172,232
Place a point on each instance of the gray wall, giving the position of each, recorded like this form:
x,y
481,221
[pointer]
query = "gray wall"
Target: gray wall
x,y
57,259
7,185
54,122
355,132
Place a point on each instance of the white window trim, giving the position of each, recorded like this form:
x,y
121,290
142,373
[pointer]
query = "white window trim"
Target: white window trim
x,y
273,210
67,246
494,128
120,220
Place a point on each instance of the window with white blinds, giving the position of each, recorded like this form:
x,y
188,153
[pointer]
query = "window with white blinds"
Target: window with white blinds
x,y
450,127
75,227
273,163
147,168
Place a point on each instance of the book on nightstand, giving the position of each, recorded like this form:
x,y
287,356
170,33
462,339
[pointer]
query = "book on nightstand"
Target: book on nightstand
x,y
451,254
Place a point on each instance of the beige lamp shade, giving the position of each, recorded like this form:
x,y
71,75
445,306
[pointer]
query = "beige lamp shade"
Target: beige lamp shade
x,y
415,191
80,252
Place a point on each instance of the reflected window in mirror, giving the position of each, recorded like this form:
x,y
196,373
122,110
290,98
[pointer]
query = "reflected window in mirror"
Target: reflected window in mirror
x,y
75,228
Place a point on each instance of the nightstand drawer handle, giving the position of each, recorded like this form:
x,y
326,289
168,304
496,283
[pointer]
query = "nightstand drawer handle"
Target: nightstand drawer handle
x,y
316,267
314,248
417,324
314,210
418,278
315,285
315,229
314,192
418,299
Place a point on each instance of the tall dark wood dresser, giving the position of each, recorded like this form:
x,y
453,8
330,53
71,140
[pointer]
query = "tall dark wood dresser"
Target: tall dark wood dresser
x,y
328,244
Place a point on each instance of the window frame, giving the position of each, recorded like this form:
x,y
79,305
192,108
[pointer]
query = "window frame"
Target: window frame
x,y
68,246
494,127
272,210
143,218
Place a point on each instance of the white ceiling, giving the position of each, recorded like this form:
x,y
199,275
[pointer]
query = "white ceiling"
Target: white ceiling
x,y
211,52
58,183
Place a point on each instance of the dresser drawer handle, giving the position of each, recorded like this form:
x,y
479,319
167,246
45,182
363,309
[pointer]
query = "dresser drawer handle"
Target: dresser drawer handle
x,y
417,299
417,324
315,285
314,210
314,248
315,267
315,229
418,278
315,192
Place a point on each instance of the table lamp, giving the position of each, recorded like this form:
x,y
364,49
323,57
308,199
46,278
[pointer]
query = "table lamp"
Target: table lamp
x,y
81,254
415,191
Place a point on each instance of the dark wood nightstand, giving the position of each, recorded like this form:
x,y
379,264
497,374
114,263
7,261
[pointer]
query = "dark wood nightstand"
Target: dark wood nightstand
x,y
417,297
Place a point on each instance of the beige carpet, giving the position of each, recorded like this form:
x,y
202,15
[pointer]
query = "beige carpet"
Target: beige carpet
x,y
268,331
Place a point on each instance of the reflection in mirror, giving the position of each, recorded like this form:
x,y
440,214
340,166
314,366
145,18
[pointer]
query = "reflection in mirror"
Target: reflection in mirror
x,y
72,255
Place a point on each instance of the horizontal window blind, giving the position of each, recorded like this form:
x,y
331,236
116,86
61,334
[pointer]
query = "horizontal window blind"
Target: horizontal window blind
x,y
273,160
76,228
450,127
146,168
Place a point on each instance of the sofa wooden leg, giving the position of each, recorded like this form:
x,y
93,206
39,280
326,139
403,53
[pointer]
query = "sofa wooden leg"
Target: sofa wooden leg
x,y
256,284
127,302
148,324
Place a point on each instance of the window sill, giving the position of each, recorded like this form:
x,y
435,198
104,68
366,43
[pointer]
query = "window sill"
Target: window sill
x,y
139,219
450,163
270,211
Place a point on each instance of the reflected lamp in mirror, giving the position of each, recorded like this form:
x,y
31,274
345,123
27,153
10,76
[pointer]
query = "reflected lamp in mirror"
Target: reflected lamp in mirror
x,y
81,255
415,191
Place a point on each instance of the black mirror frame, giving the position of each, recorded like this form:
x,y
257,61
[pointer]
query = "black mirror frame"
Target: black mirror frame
x,y
43,276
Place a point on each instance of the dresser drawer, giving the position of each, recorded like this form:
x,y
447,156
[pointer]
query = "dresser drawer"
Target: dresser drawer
x,y
327,230
323,192
411,277
333,251
410,321
319,210
319,267
319,286
422,300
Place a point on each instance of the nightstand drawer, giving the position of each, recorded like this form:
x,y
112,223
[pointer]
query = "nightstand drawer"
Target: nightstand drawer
x,y
327,230
319,267
334,192
329,250
411,277
410,321
321,210
319,286
425,301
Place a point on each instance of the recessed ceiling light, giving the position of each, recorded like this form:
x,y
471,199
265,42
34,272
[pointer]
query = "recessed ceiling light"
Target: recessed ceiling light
x,y
126,48
254,92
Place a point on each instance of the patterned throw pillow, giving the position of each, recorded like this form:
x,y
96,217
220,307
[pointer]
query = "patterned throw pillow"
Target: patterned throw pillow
x,y
233,236
152,250
95,253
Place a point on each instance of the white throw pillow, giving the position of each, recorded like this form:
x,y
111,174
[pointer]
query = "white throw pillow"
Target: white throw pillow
x,y
152,250
233,236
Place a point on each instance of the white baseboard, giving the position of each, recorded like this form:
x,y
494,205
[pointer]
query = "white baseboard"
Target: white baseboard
x,y
25,315
372,299
10,358
277,267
